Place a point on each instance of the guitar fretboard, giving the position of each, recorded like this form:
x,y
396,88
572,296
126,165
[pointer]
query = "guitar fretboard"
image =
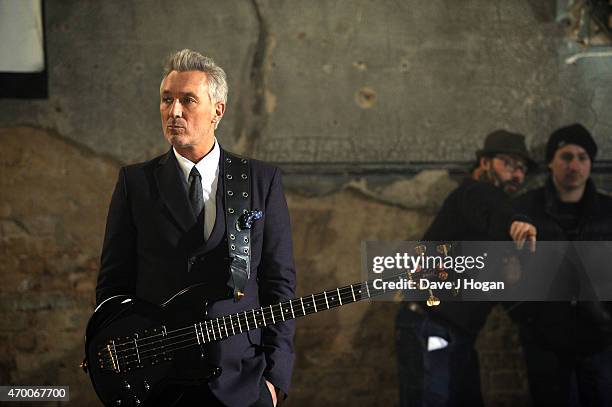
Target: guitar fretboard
x,y
223,327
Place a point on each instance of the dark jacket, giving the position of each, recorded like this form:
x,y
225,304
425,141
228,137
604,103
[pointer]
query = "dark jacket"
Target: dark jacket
x,y
568,326
154,247
475,211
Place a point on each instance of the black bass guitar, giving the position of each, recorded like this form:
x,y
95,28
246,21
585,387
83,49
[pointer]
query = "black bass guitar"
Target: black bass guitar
x,y
142,354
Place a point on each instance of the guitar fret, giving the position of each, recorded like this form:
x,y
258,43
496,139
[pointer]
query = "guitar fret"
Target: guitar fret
x,y
212,328
219,327
302,302
353,292
207,334
339,296
281,308
195,326
368,289
255,318
246,318
202,333
326,302
291,305
263,317
314,303
272,312
232,325
239,326
117,356
225,326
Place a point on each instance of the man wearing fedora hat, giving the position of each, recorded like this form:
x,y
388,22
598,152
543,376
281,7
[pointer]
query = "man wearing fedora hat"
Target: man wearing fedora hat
x,y
438,342
503,161
568,345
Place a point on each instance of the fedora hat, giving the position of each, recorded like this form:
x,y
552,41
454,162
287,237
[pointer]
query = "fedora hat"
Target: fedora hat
x,y
505,142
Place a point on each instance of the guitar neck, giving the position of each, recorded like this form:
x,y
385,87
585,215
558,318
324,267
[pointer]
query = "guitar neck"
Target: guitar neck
x,y
222,327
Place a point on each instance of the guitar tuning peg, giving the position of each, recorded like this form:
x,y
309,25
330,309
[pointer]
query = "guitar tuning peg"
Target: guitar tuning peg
x,y
433,301
443,248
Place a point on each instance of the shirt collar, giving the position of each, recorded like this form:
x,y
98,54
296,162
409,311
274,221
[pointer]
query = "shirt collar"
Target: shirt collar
x,y
207,166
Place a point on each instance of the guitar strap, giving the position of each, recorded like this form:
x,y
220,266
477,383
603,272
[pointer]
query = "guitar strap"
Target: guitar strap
x,y
238,220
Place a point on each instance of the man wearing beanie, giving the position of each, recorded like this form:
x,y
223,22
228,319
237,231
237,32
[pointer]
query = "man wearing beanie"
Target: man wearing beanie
x,y
438,364
568,345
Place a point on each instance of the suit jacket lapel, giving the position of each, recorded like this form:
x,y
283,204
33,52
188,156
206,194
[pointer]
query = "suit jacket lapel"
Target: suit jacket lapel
x,y
172,189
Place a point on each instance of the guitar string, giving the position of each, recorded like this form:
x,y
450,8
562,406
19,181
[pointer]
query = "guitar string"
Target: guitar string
x,y
168,348
130,341
210,328
165,348
172,345
238,315
140,341
208,324
194,342
313,304
173,348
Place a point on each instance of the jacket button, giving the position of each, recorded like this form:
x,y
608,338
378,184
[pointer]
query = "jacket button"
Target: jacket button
x,y
192,260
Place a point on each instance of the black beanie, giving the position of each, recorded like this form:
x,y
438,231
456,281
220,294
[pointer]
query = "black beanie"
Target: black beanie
x,y
572,134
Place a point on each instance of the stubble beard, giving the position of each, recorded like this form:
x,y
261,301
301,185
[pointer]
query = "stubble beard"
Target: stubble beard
x,y
178,139
510,187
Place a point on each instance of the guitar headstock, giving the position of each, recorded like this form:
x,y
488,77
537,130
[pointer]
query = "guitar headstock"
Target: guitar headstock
x,y
432,272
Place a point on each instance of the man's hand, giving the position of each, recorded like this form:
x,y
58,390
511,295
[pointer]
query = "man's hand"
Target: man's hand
x,y
521,232
272,392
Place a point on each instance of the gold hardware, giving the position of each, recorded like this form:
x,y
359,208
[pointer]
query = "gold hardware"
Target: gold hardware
x,y
443,248
239,295
433,301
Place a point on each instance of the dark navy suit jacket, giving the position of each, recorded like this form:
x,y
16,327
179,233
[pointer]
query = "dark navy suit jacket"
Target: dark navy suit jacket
x,y
154,247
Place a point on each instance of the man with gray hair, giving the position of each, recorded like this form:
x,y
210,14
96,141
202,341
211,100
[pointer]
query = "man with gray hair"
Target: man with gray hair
x,y
173,222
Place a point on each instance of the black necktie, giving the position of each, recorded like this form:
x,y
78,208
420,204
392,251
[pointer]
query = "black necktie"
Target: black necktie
x,y
195,192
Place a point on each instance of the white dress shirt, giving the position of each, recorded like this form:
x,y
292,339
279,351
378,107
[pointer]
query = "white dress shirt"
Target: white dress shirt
x,y
208,167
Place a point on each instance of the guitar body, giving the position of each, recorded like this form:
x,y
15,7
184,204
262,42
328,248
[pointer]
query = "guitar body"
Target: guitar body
x,y
129,359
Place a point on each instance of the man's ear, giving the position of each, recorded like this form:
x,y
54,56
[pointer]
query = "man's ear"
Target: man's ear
x,y
485,162
219,110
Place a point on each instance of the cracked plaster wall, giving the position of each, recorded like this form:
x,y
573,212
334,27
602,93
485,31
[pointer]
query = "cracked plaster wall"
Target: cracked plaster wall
x,y
323,81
